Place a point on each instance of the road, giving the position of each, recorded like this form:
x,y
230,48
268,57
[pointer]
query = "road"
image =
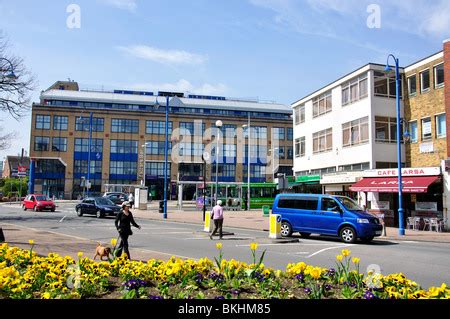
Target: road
x,y
427,263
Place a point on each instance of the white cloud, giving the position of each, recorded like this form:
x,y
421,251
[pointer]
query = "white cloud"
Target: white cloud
x,y
184,86
129,5
163,56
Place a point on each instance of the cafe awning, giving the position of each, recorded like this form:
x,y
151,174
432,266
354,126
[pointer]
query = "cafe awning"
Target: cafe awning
x,y
418,184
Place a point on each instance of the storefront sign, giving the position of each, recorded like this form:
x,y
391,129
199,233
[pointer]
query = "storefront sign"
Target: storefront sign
x,y
340,178
426,148
381,205
426,206
419,171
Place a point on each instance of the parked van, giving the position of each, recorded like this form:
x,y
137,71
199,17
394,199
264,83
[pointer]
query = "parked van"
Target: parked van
x,y
326,215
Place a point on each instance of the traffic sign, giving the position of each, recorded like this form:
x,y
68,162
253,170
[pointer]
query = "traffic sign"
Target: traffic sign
x,y
21,171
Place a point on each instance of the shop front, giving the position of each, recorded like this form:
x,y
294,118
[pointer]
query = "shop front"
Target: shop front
x,y
340,183
422,193
307,184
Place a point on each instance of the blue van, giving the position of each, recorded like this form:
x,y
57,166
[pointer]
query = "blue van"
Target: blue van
x,y
326,215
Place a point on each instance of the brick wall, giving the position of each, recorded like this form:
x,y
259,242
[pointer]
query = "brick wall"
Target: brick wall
x,y
447,88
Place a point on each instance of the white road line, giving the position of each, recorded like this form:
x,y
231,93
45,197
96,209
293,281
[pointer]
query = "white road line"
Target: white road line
x,y
410,241
322,250
62,219
299,253
173,232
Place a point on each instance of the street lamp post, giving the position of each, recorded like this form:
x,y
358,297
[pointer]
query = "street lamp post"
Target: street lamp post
x,y
11,76
248,161
401,230
218,125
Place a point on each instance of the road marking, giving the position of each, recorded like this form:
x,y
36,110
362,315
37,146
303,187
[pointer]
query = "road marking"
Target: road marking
x,y
299,253
62,219
322,250
410,241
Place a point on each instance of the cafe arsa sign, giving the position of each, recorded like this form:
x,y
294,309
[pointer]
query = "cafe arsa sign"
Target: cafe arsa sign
x,y
419,171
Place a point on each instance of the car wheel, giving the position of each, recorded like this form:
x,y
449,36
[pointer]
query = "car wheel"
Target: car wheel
x,y
305,235
99,214
79,212
53,209
348,235
286,229
367,240
24,207
35,208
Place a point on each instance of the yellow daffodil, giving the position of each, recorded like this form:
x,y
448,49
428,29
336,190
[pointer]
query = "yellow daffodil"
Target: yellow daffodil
x,y
31,242
114,242
355,260
339,257
80,254
315,273
219,246
345,252
254,246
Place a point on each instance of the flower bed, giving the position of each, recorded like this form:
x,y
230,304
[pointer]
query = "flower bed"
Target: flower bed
x,y
24,274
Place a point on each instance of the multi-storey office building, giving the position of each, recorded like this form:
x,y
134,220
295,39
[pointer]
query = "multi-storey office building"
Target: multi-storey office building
x,y
124,121
347,126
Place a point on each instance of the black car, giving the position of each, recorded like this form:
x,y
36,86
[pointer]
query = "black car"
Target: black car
x,y
99,206
116,198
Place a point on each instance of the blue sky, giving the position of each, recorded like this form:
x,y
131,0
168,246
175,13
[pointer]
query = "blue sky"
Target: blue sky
x,y
278,50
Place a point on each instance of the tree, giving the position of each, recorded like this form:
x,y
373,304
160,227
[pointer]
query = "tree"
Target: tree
x,y
15,94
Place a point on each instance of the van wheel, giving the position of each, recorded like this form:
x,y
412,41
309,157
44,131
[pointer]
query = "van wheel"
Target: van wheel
x,y
348,235
305,235
79,212
286,229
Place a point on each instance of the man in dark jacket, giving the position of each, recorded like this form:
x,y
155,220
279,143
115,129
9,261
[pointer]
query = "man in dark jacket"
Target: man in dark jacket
x,y
123,223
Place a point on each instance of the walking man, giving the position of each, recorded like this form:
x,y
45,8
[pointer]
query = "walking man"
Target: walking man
x,y
123,223
217,215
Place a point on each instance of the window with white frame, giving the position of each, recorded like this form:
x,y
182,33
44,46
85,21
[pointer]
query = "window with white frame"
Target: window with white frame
x,y
413,131
412,85
426,129
60,123
322,104
355,132
278,133
323,141
300,147
439,75
425,81
440,125
354,90
43,122
299,114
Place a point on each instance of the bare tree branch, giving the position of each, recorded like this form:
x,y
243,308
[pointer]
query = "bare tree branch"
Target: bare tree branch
x,y
15,94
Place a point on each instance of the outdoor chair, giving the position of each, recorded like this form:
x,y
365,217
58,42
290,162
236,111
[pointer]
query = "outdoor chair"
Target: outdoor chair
x,y
436,224
410,223
427,223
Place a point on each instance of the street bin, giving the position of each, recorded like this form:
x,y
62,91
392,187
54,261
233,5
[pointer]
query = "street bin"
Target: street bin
x,y
266,210
161,206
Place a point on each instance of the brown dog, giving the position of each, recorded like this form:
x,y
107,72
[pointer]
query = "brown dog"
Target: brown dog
x,y
102,251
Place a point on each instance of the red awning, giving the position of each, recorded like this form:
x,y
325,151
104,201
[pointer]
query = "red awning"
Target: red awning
x,y
417,184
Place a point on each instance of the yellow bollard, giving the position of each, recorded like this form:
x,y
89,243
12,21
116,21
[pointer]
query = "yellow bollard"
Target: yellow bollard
x,y
208,224
275,227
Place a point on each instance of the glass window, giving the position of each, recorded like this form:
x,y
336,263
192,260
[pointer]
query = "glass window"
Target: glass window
x,y
386,129
440,126
354,90
299,114
124,126
82,145
229,130
439,76
224,170
425,81
355,132
195,128
278,133
82,124
413,131
81,167
323,141
256,171
290,134
300,147
412,85
41,143
59,144
156,169
43,122
290,153
123,168
426,128
329,204
60,123
158,148
304,203
124,146
158,127
322,104
385,85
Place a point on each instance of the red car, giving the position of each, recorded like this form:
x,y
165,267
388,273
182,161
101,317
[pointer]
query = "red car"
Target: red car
x,y
38,203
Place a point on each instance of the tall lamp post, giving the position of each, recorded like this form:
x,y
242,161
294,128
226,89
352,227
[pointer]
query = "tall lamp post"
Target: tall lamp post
x,y
218,125
388,69
166,152
248,160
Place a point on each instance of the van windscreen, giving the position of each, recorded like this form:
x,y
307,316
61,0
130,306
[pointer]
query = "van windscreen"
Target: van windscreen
x,y
306,203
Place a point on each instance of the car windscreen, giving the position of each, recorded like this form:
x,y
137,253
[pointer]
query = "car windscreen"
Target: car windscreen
x,y
350,204
42,198
103,201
